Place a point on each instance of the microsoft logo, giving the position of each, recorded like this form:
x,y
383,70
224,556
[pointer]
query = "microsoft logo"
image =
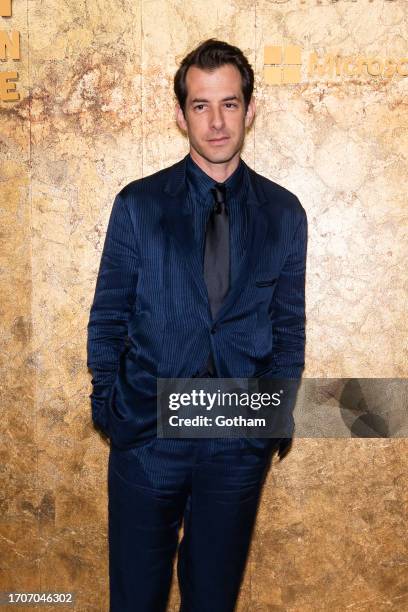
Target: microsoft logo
x,y
283,64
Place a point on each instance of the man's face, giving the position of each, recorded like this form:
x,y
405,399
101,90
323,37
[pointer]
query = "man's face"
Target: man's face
x,y
214,116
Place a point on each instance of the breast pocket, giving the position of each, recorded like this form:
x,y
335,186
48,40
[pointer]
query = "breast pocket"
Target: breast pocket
x,y
264,294
266,282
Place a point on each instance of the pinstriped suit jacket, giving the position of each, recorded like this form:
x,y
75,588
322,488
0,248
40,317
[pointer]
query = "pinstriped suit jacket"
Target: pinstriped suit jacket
x,y
150,315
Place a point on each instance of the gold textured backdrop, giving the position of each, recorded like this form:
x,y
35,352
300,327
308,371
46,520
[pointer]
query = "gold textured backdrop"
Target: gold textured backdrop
x,y
95,112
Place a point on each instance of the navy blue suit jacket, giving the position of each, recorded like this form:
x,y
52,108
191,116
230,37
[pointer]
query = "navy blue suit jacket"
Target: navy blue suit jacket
x,y
150,315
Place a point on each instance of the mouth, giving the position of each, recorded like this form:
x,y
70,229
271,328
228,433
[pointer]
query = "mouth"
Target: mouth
x,y
217,141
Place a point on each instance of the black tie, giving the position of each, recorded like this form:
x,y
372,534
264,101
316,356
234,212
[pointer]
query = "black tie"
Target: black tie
x,y
217,255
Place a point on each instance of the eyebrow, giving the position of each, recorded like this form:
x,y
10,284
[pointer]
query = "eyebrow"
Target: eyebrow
x,y
223,100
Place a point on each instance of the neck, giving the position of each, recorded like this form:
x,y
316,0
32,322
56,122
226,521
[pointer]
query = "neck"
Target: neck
x,y
219,172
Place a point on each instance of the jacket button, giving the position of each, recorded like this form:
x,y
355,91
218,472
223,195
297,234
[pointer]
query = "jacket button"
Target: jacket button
x,y
214,329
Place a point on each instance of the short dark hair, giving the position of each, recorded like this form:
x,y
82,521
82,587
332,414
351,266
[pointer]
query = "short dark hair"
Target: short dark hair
x,y
209,55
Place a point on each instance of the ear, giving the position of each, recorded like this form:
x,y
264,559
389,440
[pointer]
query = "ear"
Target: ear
x,y
179,116
250,114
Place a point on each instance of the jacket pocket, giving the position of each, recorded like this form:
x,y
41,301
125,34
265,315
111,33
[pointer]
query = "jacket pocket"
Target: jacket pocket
x,y
266,283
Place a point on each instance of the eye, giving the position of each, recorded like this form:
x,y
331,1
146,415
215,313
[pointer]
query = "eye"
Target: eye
x,y
231,104
199,107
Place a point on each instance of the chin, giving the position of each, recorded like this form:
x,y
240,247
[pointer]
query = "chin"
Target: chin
x,y
218,156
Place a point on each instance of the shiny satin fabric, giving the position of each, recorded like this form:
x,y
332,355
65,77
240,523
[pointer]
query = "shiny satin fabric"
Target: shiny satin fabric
x,y
150,315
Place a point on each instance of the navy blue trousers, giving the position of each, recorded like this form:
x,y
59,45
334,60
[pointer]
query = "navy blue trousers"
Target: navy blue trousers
x,y
213,485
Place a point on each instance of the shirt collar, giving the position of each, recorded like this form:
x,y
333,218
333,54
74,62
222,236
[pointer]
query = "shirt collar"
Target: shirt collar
x,y
201,182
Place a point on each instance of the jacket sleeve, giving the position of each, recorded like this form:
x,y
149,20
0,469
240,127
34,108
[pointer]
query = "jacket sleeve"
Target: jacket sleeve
x,y
288,320
288,309
114,298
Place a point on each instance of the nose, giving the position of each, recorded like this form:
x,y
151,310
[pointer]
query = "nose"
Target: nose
x,y
217,119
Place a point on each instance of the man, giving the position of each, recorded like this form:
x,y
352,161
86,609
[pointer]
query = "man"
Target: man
x,y
202,274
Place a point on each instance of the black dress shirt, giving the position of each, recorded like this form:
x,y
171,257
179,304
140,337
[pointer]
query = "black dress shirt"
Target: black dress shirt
x,y
200,201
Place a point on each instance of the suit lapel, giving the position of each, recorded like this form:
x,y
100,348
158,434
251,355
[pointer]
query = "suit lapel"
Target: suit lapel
x,y
179,223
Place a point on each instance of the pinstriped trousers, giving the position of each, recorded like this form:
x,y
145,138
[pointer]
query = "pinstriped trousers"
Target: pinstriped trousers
x,y
214,485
